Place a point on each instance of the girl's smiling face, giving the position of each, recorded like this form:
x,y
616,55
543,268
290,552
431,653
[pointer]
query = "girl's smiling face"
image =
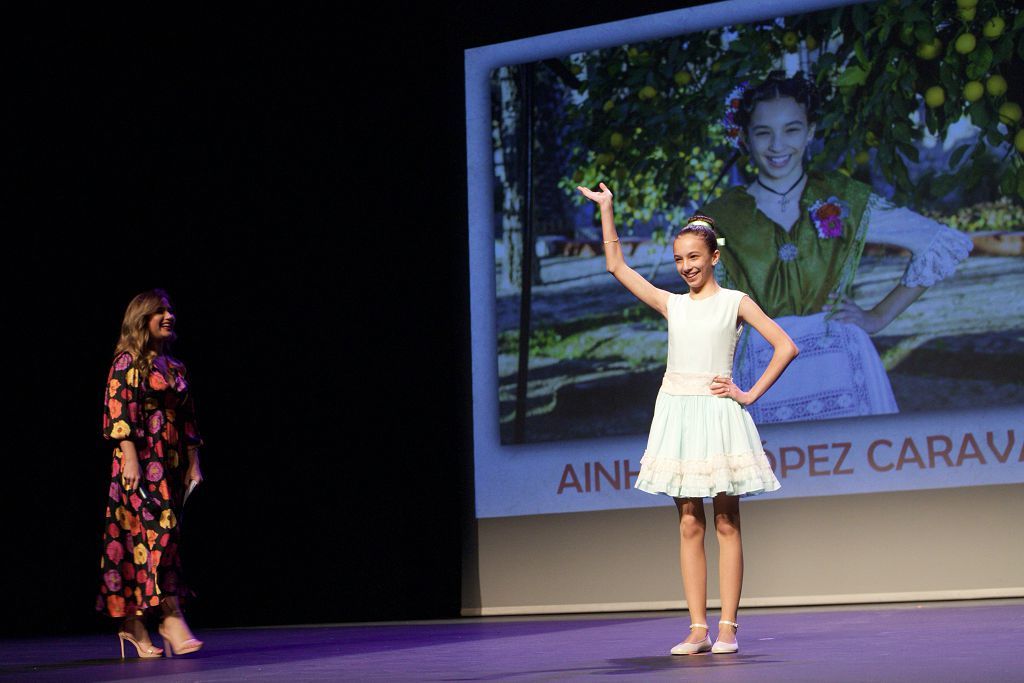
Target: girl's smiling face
x,y
777,136
694,262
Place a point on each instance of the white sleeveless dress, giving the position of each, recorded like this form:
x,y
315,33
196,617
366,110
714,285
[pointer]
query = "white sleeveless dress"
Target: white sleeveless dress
x,y
700,444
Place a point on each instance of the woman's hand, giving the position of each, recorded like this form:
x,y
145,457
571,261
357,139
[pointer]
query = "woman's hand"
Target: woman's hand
x,y
602,198
130,471
724,387
849,312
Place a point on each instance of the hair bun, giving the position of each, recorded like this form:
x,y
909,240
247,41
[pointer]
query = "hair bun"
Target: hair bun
x,y
701,218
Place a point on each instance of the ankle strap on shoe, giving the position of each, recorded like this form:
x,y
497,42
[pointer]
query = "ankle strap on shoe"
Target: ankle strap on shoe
x,y
693,626
731,623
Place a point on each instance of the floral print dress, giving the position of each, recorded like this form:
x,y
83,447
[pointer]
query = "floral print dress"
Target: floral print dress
x,y
140,562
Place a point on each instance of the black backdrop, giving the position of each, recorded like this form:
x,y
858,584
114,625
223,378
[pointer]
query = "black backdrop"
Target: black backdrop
x,y
295,179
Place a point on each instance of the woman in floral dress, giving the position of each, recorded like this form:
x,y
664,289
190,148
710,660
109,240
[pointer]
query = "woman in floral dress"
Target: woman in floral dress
x,y
148,413
793,240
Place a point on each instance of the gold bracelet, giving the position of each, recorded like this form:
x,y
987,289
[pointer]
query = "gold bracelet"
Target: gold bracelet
x,y
610,241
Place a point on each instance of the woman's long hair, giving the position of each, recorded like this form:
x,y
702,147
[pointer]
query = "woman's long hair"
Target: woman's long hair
x,y
135,338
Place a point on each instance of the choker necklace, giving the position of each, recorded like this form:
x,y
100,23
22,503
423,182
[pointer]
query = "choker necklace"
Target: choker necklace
x,y
783,199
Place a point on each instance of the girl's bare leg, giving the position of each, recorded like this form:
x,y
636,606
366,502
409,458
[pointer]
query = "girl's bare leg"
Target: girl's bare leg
x,y
693,562
730,561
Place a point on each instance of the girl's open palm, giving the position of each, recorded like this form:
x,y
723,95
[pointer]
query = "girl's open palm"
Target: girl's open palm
x,y
602,198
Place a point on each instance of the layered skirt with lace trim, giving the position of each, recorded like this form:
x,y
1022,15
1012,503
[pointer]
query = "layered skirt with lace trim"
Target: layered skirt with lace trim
x,y
702,445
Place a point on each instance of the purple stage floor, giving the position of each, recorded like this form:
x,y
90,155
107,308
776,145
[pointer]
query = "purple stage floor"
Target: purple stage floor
x,y
961,642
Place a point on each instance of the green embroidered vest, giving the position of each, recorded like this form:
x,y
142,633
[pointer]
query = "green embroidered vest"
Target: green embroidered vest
x,y
798,272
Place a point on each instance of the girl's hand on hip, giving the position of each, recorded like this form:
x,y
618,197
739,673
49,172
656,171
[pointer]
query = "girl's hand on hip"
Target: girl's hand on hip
x,y
724,387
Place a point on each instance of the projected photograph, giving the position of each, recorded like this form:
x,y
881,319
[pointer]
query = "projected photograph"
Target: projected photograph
x,y
897,266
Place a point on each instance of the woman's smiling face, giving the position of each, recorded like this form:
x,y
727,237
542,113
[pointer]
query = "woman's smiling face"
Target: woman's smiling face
x,y
161,323
777,136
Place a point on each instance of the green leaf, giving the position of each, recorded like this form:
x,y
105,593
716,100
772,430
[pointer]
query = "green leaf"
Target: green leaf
x,y
981,59
854,75
862,56
913,13
979,114
1018,23
994,137
883,33
924,32
957,155
1002,49
909,151
947,76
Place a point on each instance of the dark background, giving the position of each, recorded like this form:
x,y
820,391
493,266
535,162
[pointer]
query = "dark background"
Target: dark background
x,y
296,180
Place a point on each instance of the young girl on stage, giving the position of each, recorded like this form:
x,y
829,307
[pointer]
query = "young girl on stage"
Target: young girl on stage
x,y
702,444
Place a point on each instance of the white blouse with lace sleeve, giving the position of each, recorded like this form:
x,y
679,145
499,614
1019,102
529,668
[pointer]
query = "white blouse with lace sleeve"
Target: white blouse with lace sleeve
x,y
936,248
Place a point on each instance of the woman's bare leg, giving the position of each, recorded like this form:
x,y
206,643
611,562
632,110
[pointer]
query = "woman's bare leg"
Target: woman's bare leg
x,y
693,562
174,621
730,561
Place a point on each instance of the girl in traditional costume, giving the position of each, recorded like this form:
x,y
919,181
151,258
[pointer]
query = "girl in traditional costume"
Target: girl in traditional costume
x,y
793,240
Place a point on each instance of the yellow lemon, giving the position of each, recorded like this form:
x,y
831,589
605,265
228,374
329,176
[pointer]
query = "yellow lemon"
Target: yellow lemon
x,y
647,92
966,43
996,85
1018,141
617,140
683,78
871,139
966,4
929,50
790,39
967,14
810,42
993,28
609,105
973,91
862,157
604,159
1009,113
935,96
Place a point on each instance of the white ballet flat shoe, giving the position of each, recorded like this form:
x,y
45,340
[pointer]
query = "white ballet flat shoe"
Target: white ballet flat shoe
x,y
720,648
685,648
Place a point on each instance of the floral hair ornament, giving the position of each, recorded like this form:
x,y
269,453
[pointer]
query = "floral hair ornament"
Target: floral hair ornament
x,y
828,216
733,101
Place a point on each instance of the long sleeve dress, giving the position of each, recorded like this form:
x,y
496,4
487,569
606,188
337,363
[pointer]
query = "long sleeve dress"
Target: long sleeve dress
x,y
140,562
793,274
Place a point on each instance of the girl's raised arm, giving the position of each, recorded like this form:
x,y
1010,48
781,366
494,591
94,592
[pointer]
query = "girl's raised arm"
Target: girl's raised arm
x,y
636,283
